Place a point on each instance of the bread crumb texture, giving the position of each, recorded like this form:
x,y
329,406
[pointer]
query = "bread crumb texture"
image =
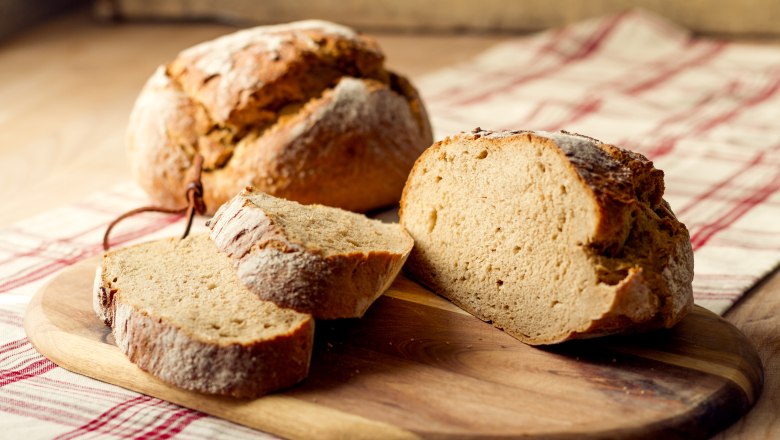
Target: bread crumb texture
x,y
549,236
178,310
316,259
304,111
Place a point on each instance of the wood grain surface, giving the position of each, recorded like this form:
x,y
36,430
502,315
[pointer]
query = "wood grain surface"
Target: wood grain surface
x,y
417,366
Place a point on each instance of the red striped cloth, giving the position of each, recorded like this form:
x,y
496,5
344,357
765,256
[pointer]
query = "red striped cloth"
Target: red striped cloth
x,y
704,111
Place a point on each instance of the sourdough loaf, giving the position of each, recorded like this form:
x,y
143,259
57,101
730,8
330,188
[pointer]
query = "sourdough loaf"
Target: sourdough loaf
x,y
550,236
177,310
315,259
304,111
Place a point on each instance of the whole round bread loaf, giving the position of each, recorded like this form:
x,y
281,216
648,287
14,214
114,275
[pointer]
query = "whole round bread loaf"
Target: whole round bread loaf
x,y
304,111
550,236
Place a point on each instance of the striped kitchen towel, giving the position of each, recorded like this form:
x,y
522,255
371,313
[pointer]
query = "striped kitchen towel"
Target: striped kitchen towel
x,y
704,111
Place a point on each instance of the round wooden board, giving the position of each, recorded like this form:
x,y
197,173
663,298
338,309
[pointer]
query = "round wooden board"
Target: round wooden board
x,y
417,366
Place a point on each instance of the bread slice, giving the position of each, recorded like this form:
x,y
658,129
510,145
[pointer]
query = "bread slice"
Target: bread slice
x,y
315,259
551,236
179,312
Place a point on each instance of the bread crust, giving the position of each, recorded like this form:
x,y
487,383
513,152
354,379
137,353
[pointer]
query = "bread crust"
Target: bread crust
x,y
304,111
650,291
176,356
299,275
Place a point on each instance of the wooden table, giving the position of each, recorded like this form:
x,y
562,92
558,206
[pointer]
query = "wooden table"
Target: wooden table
x,y
66,90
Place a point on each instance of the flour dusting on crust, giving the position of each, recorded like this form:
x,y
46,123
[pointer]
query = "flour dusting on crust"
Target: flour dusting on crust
x,y
215,57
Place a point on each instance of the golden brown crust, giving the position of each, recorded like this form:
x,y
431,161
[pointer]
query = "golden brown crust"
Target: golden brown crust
x,y
237,370
245,78
304,111
332,287
646,232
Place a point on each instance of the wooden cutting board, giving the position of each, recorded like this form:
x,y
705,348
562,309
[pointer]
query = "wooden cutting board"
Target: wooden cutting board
x,y
417,366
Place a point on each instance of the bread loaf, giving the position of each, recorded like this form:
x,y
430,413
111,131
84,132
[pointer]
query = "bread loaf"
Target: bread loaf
x,y
315,259
304,111
550,236
177,310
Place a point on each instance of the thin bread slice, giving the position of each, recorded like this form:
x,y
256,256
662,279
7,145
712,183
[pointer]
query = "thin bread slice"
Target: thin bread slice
x,y
550,236
315,259
179,312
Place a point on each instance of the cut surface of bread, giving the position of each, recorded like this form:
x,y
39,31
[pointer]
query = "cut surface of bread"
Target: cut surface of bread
x,y
305,111
178,310
550,236
315,259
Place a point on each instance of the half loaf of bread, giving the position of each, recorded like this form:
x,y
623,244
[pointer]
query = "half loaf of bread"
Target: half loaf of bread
x,y
315,259
179,312
550,236
305,111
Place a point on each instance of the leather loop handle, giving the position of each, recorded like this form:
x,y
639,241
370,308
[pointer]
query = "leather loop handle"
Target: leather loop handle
x,y
195,203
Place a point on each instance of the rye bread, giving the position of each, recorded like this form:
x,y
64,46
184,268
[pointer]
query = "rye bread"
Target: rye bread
x,y
549,236
320,260
305,111
178,311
